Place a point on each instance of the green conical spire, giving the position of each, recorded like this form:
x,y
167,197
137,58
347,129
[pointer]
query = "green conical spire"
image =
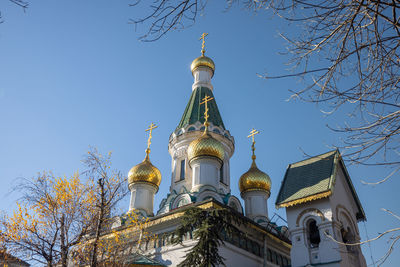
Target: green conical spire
x,y
194,112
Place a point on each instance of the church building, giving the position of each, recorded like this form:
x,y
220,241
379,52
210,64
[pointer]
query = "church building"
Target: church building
x,y
321,203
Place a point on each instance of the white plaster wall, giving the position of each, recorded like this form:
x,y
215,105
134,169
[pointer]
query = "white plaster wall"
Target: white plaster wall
x,y
256,203
202,78
205,171
173,255
142,197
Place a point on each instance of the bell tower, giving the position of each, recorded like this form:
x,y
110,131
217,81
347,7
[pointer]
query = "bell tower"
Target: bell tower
x,y
322,210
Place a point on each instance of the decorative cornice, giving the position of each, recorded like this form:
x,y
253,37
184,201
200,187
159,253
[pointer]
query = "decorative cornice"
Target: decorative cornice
x,y
305,199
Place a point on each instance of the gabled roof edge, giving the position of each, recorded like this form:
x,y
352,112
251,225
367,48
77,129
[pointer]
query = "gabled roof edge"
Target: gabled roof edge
x,y
277,204
360,216
320,195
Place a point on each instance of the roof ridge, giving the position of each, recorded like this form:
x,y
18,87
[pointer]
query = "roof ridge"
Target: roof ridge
x,y
320,156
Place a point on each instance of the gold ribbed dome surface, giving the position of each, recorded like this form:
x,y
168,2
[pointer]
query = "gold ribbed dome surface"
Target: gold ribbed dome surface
x,y
145,172
254,179
202,61
206,145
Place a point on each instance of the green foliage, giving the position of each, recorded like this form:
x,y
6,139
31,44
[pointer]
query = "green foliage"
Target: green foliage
x,y
209,227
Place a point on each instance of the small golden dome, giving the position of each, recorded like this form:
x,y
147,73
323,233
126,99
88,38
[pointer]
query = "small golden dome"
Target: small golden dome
x,y
203,61
145,172
254,179
206,145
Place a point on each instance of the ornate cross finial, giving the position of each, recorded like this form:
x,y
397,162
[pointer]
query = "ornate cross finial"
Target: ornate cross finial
x,y
253,132
206,99
150,130
203,45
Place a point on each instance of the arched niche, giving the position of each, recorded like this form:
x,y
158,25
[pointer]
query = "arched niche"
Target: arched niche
x,y
181,200
312,232
207,194
235,204
343,214
308,212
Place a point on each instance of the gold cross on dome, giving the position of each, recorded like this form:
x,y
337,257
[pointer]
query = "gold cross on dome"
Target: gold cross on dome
x,y
150,130
206,99
253,132
203,45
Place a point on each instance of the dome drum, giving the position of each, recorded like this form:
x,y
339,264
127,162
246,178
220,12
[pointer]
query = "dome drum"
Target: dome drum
x,y
204,158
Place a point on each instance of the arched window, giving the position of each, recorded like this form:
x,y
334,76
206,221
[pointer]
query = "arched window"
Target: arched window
x,y
221,174
279,260
269,255
313,234
182,173
347,237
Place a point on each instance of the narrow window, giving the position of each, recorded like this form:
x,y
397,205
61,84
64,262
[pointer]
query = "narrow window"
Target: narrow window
x,y
347,237
274,257
279,260
221,174
313,234
269,255
182,174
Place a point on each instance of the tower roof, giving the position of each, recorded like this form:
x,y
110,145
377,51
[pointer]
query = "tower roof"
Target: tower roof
x,y
313,179
194,112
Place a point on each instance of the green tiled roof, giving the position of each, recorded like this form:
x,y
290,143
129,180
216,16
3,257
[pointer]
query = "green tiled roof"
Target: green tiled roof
x,y
313,178
306,178
194,112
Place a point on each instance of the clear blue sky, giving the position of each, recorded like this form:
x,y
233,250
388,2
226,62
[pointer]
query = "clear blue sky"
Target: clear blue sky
x,y
74,75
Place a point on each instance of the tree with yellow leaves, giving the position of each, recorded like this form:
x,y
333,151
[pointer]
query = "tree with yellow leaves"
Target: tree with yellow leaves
x,y
109,187
57,214
51,218
118,245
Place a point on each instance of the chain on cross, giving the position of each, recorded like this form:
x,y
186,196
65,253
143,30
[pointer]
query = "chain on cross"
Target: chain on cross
x,y
206,99
203,45
150,130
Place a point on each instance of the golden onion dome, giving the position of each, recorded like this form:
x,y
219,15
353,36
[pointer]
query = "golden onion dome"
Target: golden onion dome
x,y
145,172
206,145
254,179
203,61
